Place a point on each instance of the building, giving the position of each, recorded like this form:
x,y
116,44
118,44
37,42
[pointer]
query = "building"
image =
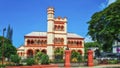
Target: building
x,y
55,37
116,47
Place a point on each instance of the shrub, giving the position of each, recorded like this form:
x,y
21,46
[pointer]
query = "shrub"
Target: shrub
x,y
30,61
76,57
38,57
58,60
44,59
2,65
41,58
112,61
96,62
58,56
15,58
74,60
79,58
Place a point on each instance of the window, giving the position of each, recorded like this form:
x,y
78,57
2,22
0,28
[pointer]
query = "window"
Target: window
x,y
58,27
59,40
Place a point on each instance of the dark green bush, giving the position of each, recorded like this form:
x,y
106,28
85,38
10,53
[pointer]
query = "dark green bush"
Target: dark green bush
x,y
58,60
44,59
76,57
112,61
15,58
30,61
2,65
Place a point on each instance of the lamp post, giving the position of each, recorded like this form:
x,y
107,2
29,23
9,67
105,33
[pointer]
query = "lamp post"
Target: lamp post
x,y
3,47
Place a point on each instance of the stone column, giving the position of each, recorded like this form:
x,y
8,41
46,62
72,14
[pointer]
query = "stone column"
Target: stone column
x,y
67,58
90,58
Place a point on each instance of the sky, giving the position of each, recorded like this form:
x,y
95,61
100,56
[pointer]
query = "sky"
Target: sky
x,y
26,16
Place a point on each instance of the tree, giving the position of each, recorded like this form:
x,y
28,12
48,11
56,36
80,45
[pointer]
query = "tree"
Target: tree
x,y
104,26
9,33
9,49
91,44
97,53
15,58
76,57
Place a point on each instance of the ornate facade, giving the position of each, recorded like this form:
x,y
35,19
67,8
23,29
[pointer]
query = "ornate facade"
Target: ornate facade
x,y
55,37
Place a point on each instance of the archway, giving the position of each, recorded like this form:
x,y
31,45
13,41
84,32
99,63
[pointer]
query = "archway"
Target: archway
x,y
44,51
58,53
29,53
73,51
80,51
28,42
36,51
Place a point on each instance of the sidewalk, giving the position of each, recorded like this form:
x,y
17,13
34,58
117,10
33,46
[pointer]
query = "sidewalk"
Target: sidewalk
x,y
102,66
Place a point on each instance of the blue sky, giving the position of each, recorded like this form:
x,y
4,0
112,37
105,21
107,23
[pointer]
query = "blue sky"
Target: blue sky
x,y
25,16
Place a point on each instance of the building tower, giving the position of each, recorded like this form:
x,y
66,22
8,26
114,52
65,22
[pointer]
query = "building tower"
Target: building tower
x,y
50,32
60,31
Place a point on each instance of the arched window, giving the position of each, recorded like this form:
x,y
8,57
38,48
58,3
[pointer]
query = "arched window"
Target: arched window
x,y
73,51
32,42
59,27
71,42
80,42
36,51
44,51
42,42
55,27
62,40
29,53
74,42
80,51
68,42
28,41
62,27
45,41
35,41
38,42
21,53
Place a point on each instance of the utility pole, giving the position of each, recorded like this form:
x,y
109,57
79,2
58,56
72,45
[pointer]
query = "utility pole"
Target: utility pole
x,y
3,47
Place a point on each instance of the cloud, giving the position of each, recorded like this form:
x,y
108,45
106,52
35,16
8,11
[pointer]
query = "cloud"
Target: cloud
x,y
88,39
110,2
106,3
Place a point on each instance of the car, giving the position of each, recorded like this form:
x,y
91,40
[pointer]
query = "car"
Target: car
x,y
108,56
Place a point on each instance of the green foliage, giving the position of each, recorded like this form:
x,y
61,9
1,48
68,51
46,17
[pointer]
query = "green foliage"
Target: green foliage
x,y
2,65
112,61
9,49
15,58
41,58
97,53
44,59
76,57
30,61
58,60
91,44
58,51
104,26
38,57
